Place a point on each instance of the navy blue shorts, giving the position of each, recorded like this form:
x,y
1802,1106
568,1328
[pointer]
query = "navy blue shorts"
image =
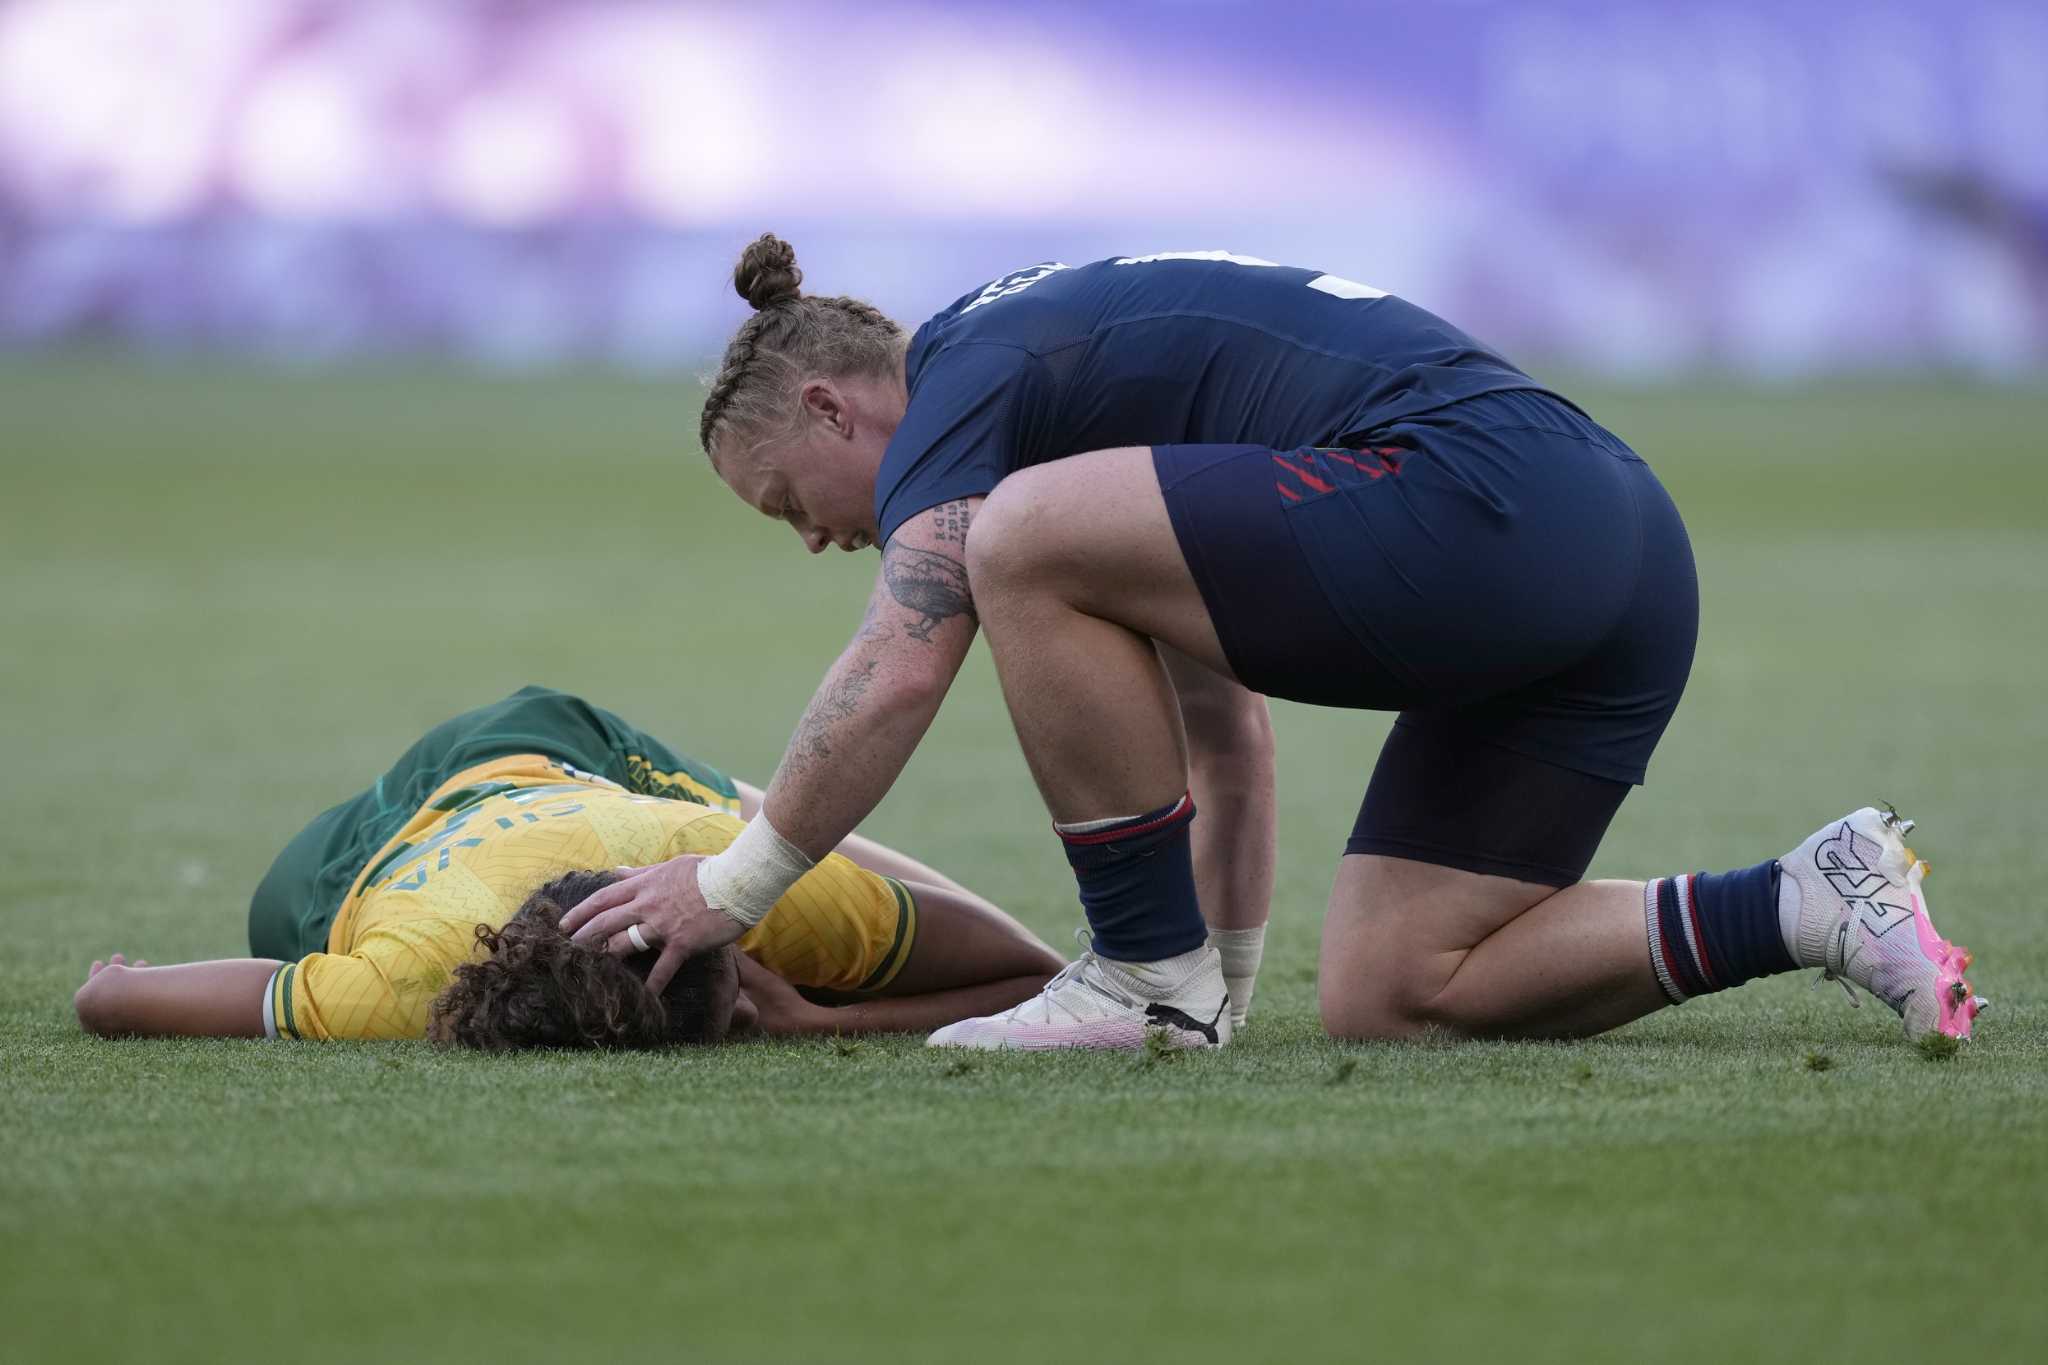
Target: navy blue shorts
x,y
1503,572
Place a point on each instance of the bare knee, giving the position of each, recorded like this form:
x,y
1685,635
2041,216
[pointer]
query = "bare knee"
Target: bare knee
x,y
1381,1009
1352,1022
1384,969
1007,542
1398,943
1392,985
1044,524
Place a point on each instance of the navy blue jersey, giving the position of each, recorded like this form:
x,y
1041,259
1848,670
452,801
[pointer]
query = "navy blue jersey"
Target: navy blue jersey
x,y
1183,348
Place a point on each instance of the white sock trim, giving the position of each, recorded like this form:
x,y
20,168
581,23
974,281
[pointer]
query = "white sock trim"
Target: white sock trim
x,y
1654,927
1164,816
1158,980
1092,826
1791,911
269,1005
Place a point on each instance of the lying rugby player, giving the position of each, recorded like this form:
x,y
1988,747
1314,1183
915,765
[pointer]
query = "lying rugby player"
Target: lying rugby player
x,y
429,905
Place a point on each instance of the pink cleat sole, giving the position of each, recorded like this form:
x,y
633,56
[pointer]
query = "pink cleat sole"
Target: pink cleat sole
x,y
1958,1004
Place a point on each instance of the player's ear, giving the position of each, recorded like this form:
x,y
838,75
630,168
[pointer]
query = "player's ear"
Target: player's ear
x,y
824,405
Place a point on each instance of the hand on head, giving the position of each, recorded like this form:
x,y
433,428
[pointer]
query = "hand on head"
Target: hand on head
x,y
665,905
537,988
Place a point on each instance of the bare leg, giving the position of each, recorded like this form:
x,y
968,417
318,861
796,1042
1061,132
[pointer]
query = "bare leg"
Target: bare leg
x,y
1093,709
1071,575
1074,576
1230,771
1407,945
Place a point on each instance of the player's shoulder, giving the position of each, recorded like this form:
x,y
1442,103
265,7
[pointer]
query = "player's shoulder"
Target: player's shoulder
x,y
1026,310
1045,305
1005,286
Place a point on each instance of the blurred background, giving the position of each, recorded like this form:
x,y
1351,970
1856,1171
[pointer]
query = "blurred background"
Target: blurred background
x,y
1618,186
348,359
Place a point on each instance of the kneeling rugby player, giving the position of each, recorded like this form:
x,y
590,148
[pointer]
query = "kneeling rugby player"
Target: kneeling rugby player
x,y
1169,486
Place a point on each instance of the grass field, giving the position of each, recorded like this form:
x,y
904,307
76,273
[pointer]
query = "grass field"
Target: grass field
x,y
231,596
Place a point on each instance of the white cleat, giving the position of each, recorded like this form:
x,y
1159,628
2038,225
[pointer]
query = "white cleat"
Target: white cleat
x,y
1095,1003
1862,918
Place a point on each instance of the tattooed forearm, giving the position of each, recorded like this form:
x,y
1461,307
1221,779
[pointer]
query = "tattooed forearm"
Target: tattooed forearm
x,y
837,701
880,696
931,584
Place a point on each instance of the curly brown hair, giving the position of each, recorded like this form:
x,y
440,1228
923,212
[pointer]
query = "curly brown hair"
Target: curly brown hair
x,y
792,337
539,989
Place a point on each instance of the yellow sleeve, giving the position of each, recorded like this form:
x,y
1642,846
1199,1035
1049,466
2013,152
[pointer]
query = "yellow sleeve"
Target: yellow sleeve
x,y
381,990
841,928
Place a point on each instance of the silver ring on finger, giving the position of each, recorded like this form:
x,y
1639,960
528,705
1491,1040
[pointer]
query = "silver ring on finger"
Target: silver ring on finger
x,y
639,940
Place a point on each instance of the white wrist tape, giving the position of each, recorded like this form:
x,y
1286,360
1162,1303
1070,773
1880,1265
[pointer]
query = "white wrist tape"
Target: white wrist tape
x,y
748,878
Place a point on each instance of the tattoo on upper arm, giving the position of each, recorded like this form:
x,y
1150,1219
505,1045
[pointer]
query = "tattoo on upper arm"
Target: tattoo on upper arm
x,y
872,627
949,521
931,584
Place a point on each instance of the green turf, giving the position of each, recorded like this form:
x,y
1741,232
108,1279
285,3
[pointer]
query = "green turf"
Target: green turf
x,y
230,596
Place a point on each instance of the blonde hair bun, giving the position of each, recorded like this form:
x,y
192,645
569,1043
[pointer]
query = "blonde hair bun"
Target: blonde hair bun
x,y
767,273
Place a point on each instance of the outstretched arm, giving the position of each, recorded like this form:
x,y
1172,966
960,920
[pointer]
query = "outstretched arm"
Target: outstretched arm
x,y
220,999
782,1011
855,737
878,700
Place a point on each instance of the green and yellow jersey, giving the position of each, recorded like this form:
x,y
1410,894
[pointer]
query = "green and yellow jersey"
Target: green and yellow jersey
x,y
496,832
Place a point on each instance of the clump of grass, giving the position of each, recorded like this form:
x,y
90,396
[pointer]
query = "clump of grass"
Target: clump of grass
x,y
1341,1072
959,1066
1583,1072
1819,1061
844,1046
1939,1047
1158,1048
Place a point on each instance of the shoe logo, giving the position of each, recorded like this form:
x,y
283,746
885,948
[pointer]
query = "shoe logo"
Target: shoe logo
x,y
1849,862
1167,1014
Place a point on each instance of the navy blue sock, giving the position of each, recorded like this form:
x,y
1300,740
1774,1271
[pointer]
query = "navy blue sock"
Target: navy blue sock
x,y
1137,881
1713,930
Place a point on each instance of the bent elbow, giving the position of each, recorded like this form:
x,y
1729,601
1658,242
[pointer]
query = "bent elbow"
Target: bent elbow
x,y
98,1003
917,692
